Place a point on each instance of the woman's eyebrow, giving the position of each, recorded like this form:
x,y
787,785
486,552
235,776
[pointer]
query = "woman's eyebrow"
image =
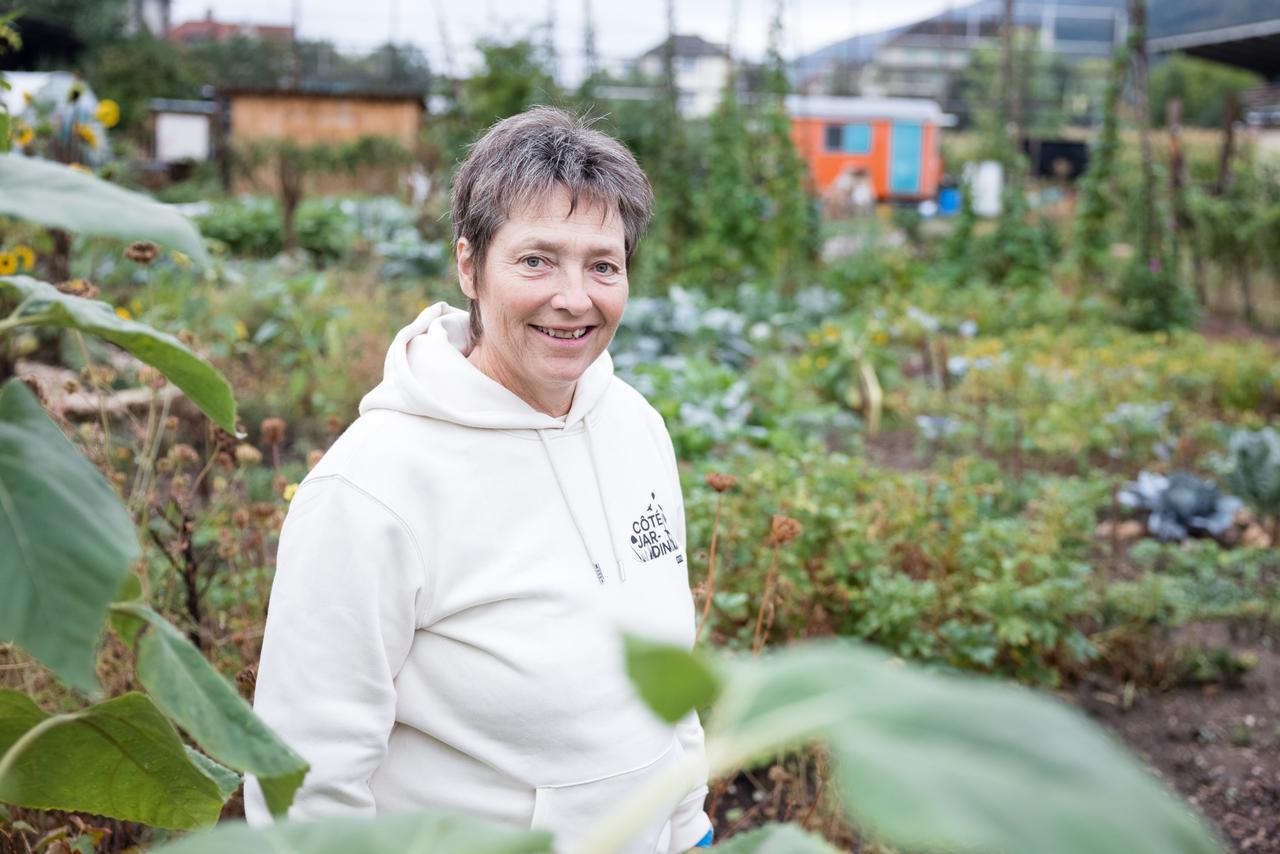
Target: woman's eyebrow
x,y
544,245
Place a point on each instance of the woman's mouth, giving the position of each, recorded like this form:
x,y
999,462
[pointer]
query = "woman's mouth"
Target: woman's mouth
x,y
563,334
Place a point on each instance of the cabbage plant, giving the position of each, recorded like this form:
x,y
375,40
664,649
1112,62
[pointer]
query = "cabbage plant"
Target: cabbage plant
x,y
1180,505
1254,473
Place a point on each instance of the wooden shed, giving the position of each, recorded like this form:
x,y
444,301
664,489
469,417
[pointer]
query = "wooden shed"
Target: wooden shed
x,y
893,142
308,116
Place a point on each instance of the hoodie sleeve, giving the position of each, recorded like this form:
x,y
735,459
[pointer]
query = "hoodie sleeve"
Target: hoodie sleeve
x,y
347,598
689,823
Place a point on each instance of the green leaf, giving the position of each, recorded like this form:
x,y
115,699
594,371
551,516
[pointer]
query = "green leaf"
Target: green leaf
x,y
417,833
119,759
192,693
41,304
668,678
228,781
776,839
66,542
55,195
929,761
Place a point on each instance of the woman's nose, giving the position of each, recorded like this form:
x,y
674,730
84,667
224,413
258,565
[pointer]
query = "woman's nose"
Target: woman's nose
x,y
572,294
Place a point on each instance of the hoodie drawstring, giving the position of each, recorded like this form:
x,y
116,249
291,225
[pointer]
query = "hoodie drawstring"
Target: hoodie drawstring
x,y
604,507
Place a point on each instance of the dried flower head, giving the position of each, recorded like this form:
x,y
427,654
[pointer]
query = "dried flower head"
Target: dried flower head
x,y
240,518
171,422
272,430
179,486
71,385
183,454
226,462
78,288
720,482
98,375
164,465
333,425
313,458
151,377
783,529
141,251
186,336
247,455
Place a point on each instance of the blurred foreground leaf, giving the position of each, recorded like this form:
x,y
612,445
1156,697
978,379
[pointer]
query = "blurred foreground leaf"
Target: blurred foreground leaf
x,y
66,541
671,681
419,833
930,761
53,194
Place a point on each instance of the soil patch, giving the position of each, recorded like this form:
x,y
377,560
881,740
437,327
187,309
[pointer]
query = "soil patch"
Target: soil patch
x,y
1219,747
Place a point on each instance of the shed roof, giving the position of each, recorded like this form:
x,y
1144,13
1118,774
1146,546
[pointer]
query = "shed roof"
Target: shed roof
x,y
1255,45
842,108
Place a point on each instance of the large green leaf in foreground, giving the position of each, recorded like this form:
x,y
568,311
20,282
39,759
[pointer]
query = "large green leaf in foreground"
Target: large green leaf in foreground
x,y
776,839
674,680
41,304
53,194
425,833
120,759
929,761
66,542
192,693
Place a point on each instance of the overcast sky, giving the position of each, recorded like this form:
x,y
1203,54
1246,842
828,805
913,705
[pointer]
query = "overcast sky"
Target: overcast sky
x,y
624,28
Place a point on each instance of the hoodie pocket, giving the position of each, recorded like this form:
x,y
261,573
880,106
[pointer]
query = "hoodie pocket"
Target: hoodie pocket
x,y
572,811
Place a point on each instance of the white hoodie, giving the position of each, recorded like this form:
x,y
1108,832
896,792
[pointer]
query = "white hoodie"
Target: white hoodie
x,y
452,582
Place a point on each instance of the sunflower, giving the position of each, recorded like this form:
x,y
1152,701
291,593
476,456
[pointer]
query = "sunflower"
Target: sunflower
x,y
23,134
8,264
108,113
25,258
86,133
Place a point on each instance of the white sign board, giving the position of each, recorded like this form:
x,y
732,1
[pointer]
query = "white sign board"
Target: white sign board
x,y
181,136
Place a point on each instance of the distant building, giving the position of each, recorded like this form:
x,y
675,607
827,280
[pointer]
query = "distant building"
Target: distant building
x,y
209,30
920,60
889,145
310,116
702,67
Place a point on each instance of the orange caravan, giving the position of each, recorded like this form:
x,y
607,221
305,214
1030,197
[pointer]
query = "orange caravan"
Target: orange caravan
x,y
889,144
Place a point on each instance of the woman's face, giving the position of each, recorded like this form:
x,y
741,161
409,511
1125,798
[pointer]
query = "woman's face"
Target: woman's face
x,y
551,293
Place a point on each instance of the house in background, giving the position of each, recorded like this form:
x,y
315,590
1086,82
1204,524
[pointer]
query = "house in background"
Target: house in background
x,y
209,30
890,144
702,67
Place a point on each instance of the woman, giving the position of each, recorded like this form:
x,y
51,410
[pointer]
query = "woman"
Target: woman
x,y
455,574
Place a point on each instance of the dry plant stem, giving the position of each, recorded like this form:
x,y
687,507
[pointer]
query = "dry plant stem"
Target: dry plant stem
x,y
151,444
757,641
102,403
711,571
148,442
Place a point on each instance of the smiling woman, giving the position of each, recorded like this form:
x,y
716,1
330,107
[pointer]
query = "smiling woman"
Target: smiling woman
x,y
455,575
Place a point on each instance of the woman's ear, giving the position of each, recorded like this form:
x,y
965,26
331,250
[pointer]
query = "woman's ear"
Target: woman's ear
x,y
466,268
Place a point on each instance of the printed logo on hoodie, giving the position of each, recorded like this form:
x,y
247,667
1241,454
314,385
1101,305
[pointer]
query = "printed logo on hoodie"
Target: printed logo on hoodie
x,y
650,535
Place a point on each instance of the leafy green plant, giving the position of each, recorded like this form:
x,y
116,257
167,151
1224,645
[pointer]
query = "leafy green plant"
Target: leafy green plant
x,y
66,545
1254,473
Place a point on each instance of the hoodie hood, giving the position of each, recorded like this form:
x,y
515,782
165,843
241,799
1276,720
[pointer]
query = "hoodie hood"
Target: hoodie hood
x,y
427,373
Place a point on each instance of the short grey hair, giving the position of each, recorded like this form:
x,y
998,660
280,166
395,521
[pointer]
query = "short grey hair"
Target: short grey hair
x,y
521,159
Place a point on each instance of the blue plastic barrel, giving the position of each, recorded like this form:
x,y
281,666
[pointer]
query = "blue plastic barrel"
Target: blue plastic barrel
x,y
948,201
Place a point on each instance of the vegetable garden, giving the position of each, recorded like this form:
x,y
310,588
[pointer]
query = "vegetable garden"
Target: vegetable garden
x,y
950,493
